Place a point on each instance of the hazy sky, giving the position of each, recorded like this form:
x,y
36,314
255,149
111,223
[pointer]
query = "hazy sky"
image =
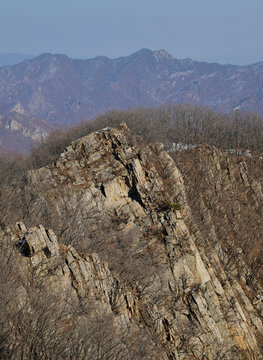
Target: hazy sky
x,y
225,31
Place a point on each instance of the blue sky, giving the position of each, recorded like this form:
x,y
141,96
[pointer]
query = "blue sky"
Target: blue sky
x,y
225,31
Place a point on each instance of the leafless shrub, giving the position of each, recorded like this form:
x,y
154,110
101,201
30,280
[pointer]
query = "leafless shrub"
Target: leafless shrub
x,y
175,125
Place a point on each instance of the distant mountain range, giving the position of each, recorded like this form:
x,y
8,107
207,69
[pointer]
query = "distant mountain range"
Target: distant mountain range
x,y
60,90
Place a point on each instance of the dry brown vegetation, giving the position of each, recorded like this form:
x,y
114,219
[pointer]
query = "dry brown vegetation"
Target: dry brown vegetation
x,y
228,195
174,125
36,323
40,331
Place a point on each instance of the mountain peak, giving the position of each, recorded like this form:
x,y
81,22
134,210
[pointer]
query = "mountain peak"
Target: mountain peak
x,y
161,54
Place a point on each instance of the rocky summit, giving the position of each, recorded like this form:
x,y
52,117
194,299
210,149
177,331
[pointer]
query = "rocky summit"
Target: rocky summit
x,y
114,253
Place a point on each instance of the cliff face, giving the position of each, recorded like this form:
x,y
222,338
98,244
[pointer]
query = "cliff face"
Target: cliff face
x,y
129,255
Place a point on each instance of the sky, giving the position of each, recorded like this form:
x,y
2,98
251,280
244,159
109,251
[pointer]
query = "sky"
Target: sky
x,y
224,31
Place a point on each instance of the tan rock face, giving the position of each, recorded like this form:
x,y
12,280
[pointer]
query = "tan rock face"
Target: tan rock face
x,y
121,243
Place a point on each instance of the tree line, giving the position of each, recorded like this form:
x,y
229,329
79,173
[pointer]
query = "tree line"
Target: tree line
x,y
176,126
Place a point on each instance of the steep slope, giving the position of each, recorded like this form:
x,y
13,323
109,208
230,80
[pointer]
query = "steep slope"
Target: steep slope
x,y
61,90
155,272
59,304
226,197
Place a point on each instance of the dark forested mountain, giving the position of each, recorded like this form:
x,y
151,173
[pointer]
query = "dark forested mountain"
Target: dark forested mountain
x,y
61,90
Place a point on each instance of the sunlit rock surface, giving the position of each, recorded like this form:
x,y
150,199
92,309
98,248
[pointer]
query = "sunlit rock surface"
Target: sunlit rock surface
x,y
124,238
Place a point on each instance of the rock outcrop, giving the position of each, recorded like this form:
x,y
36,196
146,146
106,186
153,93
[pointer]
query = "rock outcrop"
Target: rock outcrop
x,y
128,249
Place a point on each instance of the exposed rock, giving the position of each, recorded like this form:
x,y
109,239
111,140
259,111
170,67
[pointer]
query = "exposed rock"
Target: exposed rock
x,y
113,202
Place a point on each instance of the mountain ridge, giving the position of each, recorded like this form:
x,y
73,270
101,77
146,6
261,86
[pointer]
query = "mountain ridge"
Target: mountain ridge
x,y
64,91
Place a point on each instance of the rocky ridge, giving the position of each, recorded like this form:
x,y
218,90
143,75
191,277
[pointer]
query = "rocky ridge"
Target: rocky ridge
x,y
127,242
